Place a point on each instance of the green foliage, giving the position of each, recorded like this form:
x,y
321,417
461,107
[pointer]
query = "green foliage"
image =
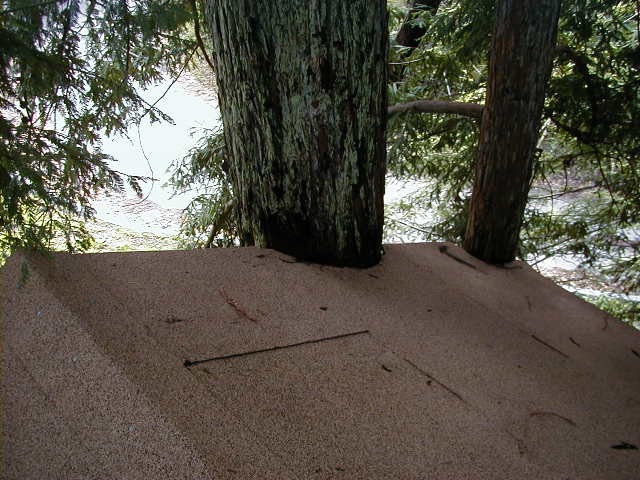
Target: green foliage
x,y
626,310
585,199
209,219
591,145
447,142
450,64
70,71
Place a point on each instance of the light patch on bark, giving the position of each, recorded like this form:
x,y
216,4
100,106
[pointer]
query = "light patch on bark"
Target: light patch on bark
x,y
303,101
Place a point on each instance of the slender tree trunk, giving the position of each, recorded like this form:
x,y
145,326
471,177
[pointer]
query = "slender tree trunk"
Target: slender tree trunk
x,y
302,91
520,66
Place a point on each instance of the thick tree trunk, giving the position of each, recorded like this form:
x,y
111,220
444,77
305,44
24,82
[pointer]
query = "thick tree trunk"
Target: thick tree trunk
x,y
520,66
302,90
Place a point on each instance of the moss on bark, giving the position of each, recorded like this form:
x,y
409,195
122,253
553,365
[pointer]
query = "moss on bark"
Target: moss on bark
x,y
302,89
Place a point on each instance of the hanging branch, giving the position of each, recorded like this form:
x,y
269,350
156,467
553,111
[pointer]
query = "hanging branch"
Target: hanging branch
x,y
200,42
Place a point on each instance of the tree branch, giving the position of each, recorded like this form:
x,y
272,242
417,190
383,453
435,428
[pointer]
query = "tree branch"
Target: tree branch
x,y
579,60
153,105
578,134
410,34
196,26
218,224
581,67
473,110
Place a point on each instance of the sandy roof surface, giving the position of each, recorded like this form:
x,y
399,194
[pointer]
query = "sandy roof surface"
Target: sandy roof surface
x,y
243,363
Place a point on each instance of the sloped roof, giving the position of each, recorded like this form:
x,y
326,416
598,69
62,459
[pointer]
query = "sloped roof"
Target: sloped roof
x,y
243,363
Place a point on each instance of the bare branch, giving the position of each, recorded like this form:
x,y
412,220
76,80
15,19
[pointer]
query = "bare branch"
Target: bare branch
x,y
411,34
200,42
473,110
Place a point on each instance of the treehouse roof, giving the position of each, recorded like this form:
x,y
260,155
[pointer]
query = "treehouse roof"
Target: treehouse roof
x,y
243,363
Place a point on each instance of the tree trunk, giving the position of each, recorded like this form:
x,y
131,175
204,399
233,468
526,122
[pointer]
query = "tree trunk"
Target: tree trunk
x,y
302,91
520,66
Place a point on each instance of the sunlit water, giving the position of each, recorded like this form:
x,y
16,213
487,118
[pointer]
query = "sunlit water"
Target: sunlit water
x,y
149,151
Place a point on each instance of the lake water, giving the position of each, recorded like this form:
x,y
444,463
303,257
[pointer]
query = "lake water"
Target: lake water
x,y
149,151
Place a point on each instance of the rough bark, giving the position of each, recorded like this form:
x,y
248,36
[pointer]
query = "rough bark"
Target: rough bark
x,y
520,66
302,90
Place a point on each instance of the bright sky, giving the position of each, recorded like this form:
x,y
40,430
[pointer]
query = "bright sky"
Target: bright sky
x,y
162,142
192,110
